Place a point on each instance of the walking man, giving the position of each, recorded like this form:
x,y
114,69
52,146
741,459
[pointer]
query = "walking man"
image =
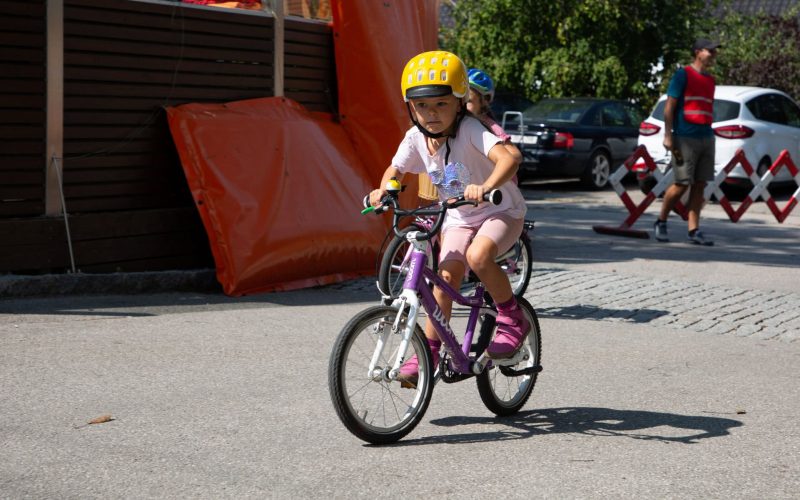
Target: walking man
x,y
687,133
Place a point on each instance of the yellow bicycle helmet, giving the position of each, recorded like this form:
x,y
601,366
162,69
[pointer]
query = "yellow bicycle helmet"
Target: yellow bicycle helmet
x,y
434,74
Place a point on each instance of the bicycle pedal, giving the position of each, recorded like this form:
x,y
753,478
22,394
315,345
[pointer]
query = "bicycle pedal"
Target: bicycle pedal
x,y
520,356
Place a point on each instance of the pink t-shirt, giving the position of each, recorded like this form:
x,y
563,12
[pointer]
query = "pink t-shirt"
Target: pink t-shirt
x,y
495,128
468,164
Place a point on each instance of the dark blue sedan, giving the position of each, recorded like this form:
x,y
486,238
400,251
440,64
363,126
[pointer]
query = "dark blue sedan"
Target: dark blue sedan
x,y
585,138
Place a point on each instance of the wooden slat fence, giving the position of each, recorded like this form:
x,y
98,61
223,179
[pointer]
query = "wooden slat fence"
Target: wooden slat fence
x,y
309,69
22,107
128,201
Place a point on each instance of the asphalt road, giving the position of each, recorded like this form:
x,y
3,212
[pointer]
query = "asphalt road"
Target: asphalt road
x,y
214,397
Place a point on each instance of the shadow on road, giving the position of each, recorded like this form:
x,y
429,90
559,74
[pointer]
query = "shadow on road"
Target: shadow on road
x,y
581,311
589,421
135,305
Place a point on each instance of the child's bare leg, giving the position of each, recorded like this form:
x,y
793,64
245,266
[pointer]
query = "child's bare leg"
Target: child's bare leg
x,y
452,271
512,326
481,258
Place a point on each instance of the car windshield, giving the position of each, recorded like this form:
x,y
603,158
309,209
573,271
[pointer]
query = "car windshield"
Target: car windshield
x,y
556,111
723,110
509,102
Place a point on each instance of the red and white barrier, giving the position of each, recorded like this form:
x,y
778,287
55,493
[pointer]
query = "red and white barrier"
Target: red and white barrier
x,y
664,180
714,187
783,159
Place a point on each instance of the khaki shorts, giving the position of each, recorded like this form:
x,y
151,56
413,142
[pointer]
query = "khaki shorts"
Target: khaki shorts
x,y
503,231
698,159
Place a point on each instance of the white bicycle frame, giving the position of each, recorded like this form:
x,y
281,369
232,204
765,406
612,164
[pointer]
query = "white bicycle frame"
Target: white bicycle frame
x,y
408,298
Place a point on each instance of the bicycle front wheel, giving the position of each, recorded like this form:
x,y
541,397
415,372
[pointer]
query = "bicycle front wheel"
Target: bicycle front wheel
x,y
505,389
370,405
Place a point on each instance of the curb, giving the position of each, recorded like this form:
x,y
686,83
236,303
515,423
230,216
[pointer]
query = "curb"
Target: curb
x,y
195,280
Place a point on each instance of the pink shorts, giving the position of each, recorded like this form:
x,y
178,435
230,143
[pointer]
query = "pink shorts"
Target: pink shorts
x,y
503,231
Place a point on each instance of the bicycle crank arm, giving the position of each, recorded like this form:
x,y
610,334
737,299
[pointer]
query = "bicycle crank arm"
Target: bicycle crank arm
x,y
452,378
510,372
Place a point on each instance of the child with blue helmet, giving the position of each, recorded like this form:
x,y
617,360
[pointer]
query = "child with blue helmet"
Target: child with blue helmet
x,y
481,94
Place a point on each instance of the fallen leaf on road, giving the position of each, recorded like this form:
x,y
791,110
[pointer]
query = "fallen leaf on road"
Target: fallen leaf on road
x,y
101,420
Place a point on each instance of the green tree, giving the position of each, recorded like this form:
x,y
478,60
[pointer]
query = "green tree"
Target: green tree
x,y
606,48
761,51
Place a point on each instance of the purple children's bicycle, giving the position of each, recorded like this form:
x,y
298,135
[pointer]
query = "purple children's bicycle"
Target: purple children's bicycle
x,y
371,348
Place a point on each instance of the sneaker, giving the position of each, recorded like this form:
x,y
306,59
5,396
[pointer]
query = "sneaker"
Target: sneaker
x,y
409,372
698,238
660,230
512,328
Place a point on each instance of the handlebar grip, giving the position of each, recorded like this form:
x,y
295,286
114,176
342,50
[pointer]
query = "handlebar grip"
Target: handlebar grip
x,y
495,197
379,209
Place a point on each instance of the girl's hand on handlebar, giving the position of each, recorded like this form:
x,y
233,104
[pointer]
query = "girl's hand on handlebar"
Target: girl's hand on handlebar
x,y
375,196
474,192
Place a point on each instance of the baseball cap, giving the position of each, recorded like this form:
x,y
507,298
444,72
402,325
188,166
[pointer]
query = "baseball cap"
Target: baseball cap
x,y
704,43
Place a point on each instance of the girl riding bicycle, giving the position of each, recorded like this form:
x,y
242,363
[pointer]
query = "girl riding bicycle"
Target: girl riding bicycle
x,y
461,157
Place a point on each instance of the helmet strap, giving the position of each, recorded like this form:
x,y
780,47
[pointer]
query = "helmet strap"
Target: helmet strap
x,y
462,112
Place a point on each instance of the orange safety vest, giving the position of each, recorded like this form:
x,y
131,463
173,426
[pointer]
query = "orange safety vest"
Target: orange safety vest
x,y
698,98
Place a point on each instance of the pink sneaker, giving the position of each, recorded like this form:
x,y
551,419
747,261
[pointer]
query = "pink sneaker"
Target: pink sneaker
x,y
512,328
409,372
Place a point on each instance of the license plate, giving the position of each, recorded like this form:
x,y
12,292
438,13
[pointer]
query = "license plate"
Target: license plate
x,y
525,139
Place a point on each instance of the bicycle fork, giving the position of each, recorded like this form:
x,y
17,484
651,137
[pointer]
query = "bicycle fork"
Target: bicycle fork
x,y
406,302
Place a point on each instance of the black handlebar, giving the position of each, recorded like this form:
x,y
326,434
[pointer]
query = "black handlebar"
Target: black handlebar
x,y
495,197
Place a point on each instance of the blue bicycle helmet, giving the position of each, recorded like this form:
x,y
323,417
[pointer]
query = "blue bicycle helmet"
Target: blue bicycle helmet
x,y
481,82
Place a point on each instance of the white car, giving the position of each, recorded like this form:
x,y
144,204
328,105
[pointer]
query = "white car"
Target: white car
x,y
763,122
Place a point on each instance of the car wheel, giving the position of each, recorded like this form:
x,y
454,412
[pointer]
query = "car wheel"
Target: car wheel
x,y
598,171
738,192
763,166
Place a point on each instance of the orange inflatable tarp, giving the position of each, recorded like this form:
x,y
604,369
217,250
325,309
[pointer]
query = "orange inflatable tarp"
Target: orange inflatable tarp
x,y
278,188
373,42
279,191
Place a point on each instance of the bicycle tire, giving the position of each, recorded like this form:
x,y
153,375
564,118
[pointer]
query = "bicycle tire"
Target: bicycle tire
x,y
519,266
375,409
393,269
505,395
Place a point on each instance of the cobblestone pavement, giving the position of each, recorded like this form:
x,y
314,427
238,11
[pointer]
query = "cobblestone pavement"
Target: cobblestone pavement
x,y
710,309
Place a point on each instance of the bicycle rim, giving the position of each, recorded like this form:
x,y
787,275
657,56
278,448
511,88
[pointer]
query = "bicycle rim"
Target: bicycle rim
x,y
518,266
371,407
503,394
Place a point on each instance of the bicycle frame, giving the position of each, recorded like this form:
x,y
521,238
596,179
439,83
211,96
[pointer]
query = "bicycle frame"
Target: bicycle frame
x,y
415,293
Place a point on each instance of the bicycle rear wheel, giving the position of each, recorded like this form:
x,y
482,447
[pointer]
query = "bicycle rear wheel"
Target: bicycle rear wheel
x,y
517,263
394,264
371,406
505,389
